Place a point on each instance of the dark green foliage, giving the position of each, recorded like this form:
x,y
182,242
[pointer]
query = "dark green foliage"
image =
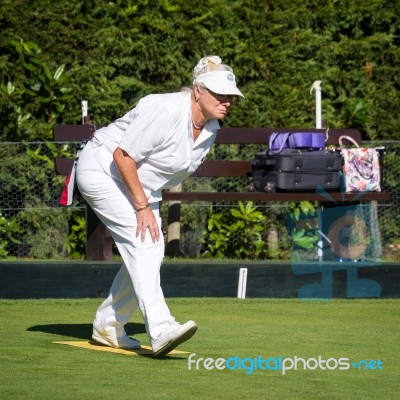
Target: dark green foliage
x,y
33,97
77,237
9,229
237,234
115,52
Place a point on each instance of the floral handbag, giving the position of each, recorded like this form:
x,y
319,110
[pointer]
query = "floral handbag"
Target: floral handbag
x,y
361,169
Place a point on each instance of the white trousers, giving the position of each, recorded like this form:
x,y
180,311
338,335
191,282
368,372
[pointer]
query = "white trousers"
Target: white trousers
x,y
137,284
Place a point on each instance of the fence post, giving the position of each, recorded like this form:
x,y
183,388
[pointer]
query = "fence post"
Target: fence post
x,y
98,239
174,226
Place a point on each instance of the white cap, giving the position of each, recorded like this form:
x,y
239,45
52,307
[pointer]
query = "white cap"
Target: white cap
x,y
220,82
215,76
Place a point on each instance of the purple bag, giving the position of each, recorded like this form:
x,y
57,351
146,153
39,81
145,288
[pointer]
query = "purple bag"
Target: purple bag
x,y
296,140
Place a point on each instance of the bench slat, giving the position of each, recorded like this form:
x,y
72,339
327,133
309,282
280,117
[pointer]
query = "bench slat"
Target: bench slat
x,y
261,135
77,133
72,133
209,168
279,196
63,165
223,168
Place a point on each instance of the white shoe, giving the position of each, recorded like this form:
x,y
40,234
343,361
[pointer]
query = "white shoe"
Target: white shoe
x,y
172,337
123,342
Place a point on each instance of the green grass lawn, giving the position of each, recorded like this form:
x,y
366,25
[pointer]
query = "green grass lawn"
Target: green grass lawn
x,y
33,367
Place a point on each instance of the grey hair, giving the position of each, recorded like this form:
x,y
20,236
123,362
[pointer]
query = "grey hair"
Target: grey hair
x,y
206,64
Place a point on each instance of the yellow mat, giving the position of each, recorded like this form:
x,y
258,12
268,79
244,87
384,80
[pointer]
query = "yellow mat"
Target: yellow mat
x,y
91,345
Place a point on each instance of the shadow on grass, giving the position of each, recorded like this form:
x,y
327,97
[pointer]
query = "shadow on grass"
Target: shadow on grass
x,y
81,331
84,331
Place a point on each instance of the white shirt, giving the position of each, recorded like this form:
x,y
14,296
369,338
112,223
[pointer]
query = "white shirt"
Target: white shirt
x,y
158,135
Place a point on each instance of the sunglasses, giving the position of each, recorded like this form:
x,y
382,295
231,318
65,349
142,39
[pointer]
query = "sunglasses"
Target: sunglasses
x,y
223,98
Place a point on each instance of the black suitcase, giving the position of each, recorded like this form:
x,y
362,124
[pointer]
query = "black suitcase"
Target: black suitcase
x,y
296,170
291,160
305,181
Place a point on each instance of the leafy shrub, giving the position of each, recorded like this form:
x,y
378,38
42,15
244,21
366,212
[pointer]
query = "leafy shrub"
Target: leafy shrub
x,y
237,233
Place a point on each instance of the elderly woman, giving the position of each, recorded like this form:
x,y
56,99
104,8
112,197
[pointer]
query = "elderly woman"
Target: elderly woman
x,y
121,173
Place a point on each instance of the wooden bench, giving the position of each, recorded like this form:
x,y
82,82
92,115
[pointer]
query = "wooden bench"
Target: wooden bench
x,y
212,169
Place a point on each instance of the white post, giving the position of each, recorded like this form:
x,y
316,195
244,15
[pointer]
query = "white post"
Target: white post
x,y
241,294
318,110
85,111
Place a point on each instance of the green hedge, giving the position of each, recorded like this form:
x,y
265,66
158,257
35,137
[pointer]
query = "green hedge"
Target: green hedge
x,y
55,54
